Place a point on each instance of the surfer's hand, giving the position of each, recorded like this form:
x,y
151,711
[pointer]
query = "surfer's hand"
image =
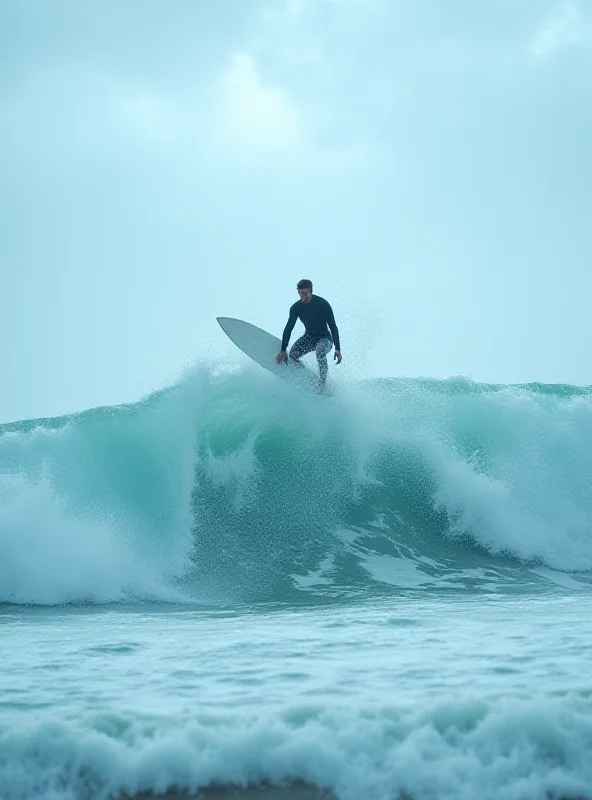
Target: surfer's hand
x,y
283,356
337,356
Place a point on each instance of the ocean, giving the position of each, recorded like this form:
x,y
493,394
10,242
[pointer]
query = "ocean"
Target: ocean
x,y
236,588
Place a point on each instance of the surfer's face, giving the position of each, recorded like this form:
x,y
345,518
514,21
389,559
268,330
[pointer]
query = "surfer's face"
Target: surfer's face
x,y
305,295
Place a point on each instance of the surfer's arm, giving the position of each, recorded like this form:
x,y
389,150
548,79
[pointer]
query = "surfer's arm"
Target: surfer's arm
x,y
289,328
333,327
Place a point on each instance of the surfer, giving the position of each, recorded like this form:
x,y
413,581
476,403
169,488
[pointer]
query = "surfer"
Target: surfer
x,y
320,334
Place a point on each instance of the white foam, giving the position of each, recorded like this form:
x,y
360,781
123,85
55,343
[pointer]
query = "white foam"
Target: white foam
x,y
454,750
525,492
48,556
510,467
68,530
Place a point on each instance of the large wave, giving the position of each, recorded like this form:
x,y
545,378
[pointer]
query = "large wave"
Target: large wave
x,y
236,486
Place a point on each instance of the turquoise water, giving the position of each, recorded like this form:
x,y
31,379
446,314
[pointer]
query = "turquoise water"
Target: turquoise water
x,y
236,583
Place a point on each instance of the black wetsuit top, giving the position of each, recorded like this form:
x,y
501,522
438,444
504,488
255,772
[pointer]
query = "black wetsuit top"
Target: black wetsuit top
x,y
317,318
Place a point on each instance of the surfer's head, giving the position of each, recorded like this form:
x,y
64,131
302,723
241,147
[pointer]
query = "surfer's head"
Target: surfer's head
x,y
304,288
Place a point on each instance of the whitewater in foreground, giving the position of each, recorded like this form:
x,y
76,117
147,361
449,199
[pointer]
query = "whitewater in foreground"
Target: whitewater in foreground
x,y
231,590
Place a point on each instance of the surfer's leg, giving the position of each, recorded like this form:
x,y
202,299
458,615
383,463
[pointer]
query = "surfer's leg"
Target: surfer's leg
x,y
322,348
300,348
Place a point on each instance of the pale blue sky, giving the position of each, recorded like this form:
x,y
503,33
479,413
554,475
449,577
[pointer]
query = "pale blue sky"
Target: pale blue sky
x,y
426,164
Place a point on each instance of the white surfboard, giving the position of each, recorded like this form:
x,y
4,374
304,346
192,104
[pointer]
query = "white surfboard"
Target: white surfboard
x,y
263,348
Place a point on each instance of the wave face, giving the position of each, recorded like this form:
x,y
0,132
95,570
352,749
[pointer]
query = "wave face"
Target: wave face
x,y
237,488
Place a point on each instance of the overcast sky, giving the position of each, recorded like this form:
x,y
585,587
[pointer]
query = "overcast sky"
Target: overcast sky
x,y
426,163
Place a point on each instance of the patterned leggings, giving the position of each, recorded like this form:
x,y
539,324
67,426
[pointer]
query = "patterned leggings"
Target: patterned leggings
x,y
306,344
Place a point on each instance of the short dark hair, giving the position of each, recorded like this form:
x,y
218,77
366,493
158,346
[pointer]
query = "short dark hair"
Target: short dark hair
x,y
304,284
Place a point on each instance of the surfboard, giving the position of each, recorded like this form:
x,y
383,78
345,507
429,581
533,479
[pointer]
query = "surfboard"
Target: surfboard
x,y
263,348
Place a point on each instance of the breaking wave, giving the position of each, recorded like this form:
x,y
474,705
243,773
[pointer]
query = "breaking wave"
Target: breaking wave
x,y
238,487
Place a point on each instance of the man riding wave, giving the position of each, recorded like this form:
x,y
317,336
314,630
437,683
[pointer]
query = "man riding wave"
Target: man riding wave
x,y
320,334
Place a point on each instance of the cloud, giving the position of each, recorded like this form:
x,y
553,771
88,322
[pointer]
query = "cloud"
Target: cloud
x,y
564,27
294,86
258,113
